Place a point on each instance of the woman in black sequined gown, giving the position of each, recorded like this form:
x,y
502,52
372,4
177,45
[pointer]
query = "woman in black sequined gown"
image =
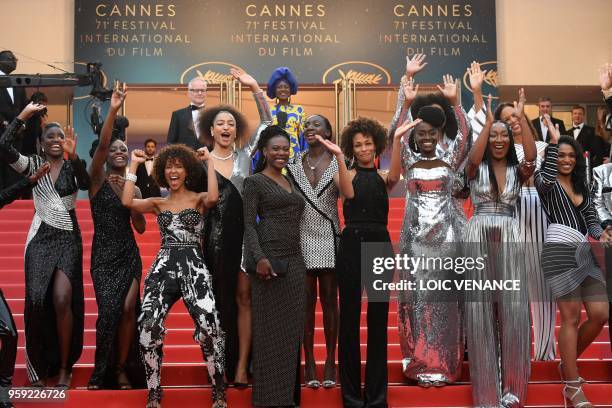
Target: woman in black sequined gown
x,y
54,304
223,130
178,271
116,266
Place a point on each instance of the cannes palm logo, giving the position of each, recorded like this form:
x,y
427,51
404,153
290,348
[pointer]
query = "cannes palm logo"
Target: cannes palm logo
x,y
490,82
213,72
361,72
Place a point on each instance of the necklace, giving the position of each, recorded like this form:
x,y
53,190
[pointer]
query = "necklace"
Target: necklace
x,y
316,164
229,156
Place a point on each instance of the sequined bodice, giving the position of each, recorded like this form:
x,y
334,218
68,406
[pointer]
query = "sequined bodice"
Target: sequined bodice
x,y
111,219
182,228
482,192
430,212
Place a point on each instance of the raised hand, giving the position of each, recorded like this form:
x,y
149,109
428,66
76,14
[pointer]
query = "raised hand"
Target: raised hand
x,y
138,156
519,107
410,89
243,77
477,76
203,154
119,94
329,145
489,114
553,130
414,65
449,91
30,109
70,142
42,170
605,77
405,127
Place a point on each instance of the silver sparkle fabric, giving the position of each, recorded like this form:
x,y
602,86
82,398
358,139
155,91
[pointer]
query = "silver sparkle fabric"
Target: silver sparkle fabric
x,y
242,155
431,330
497,323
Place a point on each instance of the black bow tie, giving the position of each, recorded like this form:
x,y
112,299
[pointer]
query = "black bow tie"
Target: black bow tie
x,y
193,107
575,128
149,159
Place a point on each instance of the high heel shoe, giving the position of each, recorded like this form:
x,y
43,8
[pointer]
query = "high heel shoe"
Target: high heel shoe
x,y
125,383
575,395
154,398
560,368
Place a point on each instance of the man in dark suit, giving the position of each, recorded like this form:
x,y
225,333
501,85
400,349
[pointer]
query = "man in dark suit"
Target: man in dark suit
x,y
147,185
585,135
12,102
545,108
184,122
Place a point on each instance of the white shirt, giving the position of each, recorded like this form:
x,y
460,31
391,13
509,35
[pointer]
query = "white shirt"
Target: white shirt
x,y
149,166
195,114
543,127
577,131
9,90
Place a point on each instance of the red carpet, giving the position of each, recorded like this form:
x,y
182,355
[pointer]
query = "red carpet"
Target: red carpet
x,y
184,374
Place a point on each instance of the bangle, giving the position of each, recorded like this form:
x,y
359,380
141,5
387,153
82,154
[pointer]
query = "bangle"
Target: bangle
x,y
131,177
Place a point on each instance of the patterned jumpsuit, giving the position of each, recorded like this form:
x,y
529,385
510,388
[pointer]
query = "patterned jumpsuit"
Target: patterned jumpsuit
x,y
179,271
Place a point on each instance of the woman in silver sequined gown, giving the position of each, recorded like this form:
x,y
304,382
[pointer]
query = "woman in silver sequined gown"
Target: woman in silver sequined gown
x,y
54,303
431,331
497,322
223,130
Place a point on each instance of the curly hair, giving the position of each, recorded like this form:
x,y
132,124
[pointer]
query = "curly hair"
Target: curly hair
x,y
367,127
579,179
266,135
207,119
450,126
184,155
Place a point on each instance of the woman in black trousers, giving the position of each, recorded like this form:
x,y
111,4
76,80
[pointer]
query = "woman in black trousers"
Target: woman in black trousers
x,y
365,208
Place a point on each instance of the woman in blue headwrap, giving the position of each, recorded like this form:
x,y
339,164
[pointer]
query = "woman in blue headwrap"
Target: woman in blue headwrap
x,y
281,86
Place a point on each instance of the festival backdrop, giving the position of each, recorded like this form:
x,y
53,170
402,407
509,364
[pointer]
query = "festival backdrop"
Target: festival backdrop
x,y
170,42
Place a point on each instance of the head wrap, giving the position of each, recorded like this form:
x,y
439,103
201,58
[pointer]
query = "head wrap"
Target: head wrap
x,y
278,74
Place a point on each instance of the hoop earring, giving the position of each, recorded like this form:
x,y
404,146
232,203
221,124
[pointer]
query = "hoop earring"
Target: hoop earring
x,y
276,101
352,162
289,101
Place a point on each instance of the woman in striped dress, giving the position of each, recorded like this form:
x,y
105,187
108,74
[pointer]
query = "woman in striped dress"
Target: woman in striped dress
x,y
533,223
570,268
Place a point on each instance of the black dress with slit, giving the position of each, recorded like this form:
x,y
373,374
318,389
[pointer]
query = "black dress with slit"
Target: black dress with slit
x,y
54,244
222,247
115,264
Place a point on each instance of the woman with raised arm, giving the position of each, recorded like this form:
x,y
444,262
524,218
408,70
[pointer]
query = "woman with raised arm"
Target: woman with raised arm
x,y
178,270
497,323
366,209
273,258
116,266
533,224
54,307
569,266
430,325
223,130
315,174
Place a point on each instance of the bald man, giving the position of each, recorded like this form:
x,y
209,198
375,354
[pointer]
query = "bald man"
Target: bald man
x,y
184,122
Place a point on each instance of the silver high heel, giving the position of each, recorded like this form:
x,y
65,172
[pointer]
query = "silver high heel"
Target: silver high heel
x,y
571,392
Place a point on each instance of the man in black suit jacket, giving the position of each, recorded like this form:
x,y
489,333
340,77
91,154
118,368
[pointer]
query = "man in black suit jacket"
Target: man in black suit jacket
x,y
147,185
184,122
545,108
585,135
12,102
